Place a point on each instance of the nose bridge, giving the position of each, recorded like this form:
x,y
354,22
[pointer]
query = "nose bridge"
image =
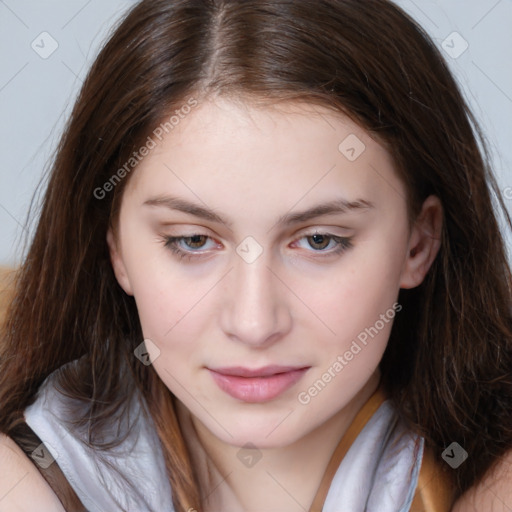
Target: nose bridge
x,y
253,283
255,311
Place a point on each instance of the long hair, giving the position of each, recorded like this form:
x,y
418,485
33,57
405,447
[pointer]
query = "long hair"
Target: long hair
x,y
448,363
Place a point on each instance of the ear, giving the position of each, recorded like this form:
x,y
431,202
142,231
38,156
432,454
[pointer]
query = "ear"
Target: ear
x,y
424,243
117,263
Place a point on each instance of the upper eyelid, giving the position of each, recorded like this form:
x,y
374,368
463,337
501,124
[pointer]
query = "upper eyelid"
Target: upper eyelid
x,y
306,231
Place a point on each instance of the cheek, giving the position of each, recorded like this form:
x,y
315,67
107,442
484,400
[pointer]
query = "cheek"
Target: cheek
x,y
359,307
364,288
168,317
165,308
165,296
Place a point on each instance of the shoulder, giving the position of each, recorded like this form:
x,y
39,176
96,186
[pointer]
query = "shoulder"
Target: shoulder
x,y
493,493
22,487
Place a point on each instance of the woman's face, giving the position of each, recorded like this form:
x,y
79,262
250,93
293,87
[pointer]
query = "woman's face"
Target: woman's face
x,y
295,245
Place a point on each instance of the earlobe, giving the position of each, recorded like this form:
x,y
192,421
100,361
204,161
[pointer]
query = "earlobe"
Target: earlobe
x,y
424,243
118,263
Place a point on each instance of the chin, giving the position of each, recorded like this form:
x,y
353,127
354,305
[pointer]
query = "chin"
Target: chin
x,y
242,439
263,432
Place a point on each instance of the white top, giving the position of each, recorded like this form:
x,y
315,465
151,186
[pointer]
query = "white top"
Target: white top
x,y
379,473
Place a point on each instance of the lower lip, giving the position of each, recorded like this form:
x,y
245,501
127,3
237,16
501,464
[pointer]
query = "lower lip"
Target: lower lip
x,y
257,389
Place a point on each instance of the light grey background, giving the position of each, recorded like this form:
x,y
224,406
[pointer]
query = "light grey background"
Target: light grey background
x,y
37,90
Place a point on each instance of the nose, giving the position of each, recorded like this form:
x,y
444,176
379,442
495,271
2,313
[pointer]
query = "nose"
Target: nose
x,y
255,309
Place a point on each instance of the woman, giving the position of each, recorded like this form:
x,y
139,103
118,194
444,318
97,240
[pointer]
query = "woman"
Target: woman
x,y
280,248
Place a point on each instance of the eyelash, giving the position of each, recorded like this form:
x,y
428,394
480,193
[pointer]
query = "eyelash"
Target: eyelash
x,y
171,243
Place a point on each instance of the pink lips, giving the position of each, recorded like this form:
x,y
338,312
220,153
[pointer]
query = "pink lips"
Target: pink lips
x,y
256,385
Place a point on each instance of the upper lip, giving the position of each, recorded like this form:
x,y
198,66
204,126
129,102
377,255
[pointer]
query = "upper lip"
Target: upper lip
x,y
241,371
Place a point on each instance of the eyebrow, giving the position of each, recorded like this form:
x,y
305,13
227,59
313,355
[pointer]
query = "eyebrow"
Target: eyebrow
x,y
334,207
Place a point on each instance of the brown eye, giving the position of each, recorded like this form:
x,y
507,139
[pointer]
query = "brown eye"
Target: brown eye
x,y
195,241
319,241
186,247
324,244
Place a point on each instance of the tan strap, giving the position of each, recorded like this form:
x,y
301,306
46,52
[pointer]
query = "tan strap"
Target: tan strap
x,y
360,420
435,489
33,447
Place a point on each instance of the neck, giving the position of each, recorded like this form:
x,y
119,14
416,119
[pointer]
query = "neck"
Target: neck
x,y
269,485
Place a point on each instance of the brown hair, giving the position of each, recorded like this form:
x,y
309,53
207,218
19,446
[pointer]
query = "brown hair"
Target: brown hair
x,y
448,361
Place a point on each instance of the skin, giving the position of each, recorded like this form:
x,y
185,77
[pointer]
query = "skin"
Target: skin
x,y
22,488
290,306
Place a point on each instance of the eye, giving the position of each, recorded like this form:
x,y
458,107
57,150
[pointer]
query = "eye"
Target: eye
x,y
321,241
186,246
195,245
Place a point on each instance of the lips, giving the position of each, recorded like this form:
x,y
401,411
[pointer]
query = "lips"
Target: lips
x,y
259,384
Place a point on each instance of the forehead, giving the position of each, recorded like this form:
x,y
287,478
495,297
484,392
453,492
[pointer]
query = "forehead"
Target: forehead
x,y
273,155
